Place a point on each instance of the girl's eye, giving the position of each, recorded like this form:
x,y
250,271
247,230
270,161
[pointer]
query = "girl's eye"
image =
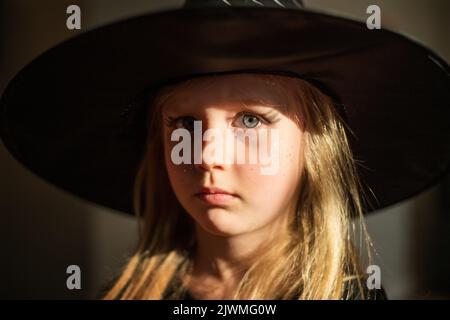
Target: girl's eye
x,y
249,121
183,122
246,121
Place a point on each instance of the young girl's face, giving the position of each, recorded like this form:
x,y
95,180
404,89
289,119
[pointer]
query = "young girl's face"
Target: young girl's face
x,y
243,103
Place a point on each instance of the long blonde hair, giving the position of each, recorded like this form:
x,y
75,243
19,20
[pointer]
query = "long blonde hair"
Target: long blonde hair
x,y
316,260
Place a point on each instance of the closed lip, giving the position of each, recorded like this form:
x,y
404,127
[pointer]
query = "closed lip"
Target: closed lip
x,y
213,190
216,196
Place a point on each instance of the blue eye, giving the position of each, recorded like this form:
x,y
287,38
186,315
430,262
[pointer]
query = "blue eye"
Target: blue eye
x,y
250,121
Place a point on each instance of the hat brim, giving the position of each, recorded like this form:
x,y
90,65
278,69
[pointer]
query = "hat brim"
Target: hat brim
x,y
62,115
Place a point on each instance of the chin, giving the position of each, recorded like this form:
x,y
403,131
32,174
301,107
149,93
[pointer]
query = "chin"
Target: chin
x,y
220,222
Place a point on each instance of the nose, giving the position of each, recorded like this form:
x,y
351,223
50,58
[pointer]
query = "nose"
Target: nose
x,y
215,151
209,157
209,167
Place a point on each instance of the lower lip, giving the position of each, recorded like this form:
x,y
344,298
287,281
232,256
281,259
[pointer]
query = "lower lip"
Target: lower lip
x,y
216,198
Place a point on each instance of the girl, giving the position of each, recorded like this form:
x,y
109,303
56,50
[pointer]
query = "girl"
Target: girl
x,y
313,87
281,236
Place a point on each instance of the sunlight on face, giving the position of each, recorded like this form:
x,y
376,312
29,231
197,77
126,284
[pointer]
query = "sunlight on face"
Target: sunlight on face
x,y
226,197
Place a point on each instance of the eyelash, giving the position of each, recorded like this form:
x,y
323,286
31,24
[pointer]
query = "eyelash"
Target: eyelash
x,y
170,121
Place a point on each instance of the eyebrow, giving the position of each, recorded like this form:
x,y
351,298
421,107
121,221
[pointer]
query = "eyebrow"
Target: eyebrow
x,y
256,102
245,103
269,113
248,103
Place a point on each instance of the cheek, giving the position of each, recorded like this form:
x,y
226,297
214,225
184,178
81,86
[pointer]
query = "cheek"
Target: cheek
x,y
178,174
268,192
272,193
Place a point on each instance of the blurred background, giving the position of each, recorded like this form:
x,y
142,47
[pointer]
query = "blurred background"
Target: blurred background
x,y
43,229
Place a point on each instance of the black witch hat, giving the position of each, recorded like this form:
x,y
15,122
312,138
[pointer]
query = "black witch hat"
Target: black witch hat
x,y
66,115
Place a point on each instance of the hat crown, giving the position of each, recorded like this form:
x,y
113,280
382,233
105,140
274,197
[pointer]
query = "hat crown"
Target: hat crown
x,y
288,4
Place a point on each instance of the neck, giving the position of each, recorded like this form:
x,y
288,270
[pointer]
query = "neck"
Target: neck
x,y
226,258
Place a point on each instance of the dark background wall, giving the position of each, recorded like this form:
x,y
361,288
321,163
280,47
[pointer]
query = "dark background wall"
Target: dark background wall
x,y
44,229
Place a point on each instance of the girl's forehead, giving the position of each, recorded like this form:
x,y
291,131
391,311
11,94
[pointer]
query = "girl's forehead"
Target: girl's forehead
x,y
225,91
